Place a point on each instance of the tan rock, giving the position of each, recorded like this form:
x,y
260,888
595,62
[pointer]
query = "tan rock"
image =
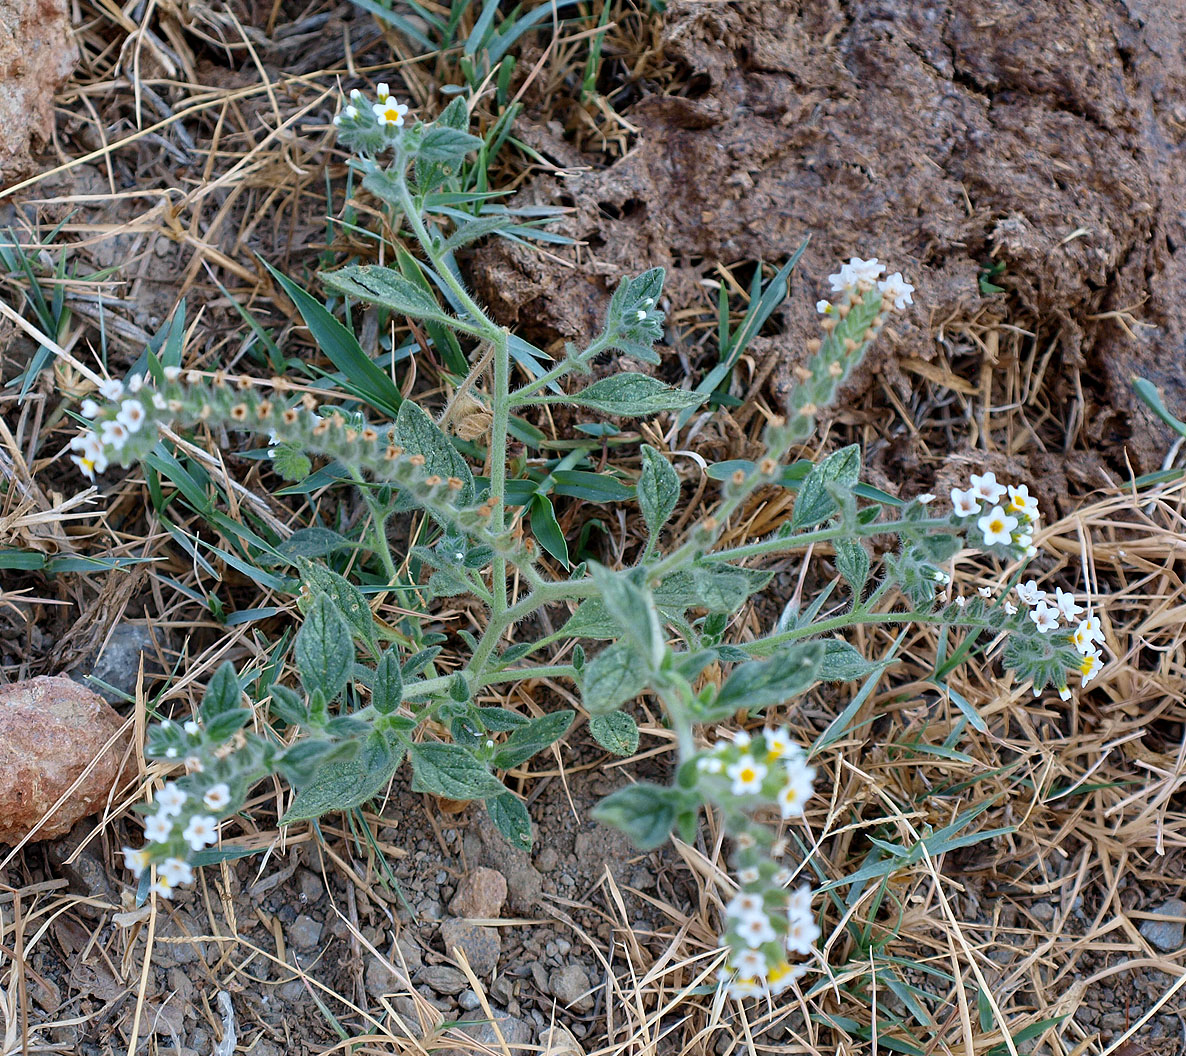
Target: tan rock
x,y
51,730
480,895
37,53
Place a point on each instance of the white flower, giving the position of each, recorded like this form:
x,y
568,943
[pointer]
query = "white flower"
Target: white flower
x,y
987,488
740,988
997,526
355,95
1021,501
158,827
744,906
896,289
925,499
1092,663
802,933
1030,593
174,871
984,592
640,315
191,727
135,383
1064,693
964,502
961,601
747,774
111,389
1010,609
171,373
200,831
709,764
843,279
741,738
783,976
1065,602
135,860
755,930
92,460
750,963
114,434
162,888
1087,633
793,796
1045,617
823,307
749,875
89,409
217,797
865,270
799,901
170,800
351,112
390,113
159,402
382,91
778,744
170,753
132,414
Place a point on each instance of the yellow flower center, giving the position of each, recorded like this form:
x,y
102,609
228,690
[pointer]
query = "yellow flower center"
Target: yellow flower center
x,y
778,971
996,527
1087,665
748,774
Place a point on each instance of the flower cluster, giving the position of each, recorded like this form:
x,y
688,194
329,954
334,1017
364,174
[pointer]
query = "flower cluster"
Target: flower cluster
x,y
385,112
116,424
1049,611
184,822
764,924
769,767
1004,514
860,275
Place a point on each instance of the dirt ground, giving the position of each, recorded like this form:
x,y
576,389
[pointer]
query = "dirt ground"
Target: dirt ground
x,y
1033,145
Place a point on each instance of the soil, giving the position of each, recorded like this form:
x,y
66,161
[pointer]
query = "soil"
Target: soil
x,y
940,137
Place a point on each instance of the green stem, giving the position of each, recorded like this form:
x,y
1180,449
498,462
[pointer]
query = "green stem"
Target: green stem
x,y
378,526
862,617
566,366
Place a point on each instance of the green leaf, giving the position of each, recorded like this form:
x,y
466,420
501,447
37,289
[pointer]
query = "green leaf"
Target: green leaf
x,y
1149,394
722,588
842,663
591,620
616,732
416,431
288,705
631,605
546,528
450,771
613,677
527,740
324,649
386,287
500,720
658,489
313,542
388,690
645,812
761,684
510,817
223,692
342,348
634,395
342,785
814,504
443,144
345,595
472,230
225,725
290,462
852,562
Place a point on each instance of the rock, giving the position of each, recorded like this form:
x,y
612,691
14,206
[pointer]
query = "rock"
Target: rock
x,y
481,946
304,932
384,977
469,1000
79,862
119,664
570,986
524,882
51,730
1166,935
1043,912
558,1041
311,888
442,979
517,1033
547,859
480,895
37,53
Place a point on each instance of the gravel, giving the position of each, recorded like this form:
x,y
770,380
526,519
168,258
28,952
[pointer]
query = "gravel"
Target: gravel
x,y
1166,935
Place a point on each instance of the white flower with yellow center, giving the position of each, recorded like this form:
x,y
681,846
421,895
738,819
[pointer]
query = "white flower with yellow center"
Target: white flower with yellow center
x,y
782,976
1091,665
964,503
778,744
744,905
200,831
896,289
390,113
740,988
217,797
1045,617
747,774
162,888
1087,634
170,800
802,934
749,963
997,527
91,458
986,488
111,389
823,307
135,860
114,434
1022,502
1064,693
793,796
382,92
158,828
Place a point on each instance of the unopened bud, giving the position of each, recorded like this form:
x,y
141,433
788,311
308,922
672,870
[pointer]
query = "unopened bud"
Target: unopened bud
x,y
814,345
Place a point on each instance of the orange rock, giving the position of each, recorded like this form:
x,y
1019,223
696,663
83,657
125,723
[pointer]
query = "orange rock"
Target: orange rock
x,y
51,729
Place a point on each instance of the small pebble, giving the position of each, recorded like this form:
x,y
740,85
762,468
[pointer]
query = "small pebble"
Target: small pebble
x,y
1166,935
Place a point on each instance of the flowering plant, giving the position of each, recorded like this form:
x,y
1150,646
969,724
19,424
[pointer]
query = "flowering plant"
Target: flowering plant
x,y
366,702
